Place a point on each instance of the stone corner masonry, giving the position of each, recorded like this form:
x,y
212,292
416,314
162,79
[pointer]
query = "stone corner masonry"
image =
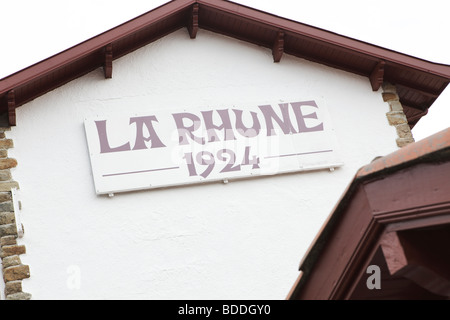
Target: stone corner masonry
x,y
396,117
13,269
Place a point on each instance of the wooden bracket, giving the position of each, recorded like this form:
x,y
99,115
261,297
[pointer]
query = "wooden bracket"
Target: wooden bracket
x,y
11,108
193,22
278,47
107,63
419,256
377,76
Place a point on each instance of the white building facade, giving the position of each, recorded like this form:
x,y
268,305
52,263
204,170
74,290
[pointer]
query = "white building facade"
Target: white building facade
x,y
186,235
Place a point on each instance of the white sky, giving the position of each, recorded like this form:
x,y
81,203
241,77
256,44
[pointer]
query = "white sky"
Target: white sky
x,y
32,30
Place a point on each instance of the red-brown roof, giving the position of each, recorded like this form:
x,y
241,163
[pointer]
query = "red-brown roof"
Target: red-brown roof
x,y
419,82
395,203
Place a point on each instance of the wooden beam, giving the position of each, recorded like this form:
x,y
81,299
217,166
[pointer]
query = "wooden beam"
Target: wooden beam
x,y
422,91
377,76
413,114
393,252
193,22
278,47
107,64
11,108
420,256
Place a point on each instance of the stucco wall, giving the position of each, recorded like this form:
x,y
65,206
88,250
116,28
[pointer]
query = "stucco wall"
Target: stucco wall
x,y
242,240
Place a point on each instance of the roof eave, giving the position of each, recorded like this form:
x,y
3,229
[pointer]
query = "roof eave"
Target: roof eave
x,y
88,55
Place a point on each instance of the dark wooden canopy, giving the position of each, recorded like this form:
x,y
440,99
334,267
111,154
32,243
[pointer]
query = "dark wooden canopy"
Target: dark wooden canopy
x,y
395,215
419,82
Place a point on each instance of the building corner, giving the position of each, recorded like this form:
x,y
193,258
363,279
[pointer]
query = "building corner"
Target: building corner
x,y
396,117
10,228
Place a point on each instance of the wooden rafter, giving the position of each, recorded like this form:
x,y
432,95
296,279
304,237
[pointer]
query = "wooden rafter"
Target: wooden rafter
x,y
278,47
193,22
377,76
11,108
107,65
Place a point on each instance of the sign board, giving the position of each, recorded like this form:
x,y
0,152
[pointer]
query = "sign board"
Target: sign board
x,y
169,147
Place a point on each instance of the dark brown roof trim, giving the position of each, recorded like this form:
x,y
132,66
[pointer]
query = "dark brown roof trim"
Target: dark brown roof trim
x,y
421,81
324,36
432,150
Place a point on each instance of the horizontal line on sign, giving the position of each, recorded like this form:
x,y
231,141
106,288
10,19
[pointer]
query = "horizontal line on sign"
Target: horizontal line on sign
x,y
141,171
296,154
